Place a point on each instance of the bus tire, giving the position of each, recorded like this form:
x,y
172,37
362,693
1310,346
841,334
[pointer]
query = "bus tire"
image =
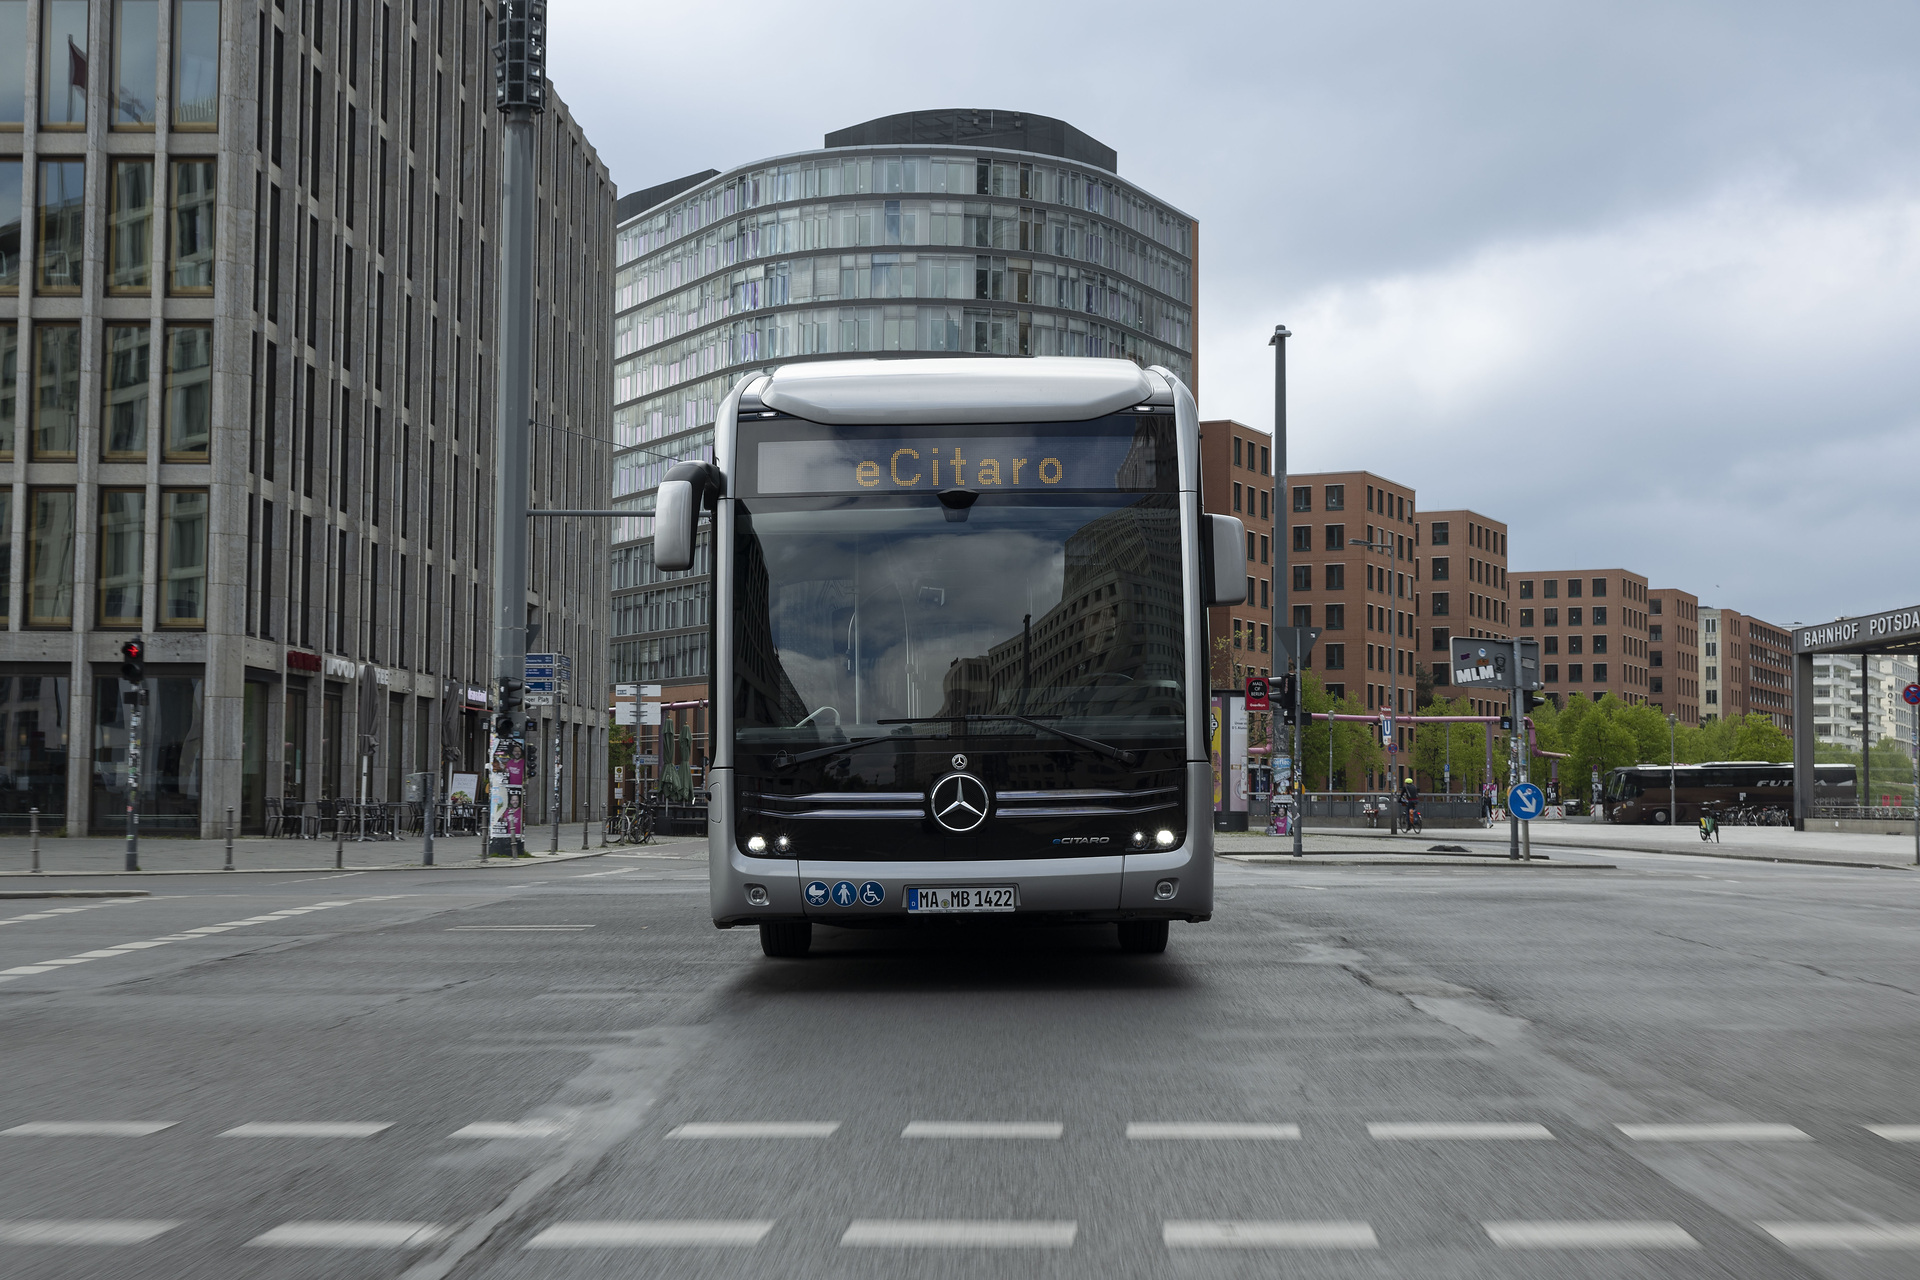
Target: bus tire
x,y
1143,937
786,937
1659,817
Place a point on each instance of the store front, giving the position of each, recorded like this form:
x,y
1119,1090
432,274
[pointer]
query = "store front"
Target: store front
x,y
36,710
172,747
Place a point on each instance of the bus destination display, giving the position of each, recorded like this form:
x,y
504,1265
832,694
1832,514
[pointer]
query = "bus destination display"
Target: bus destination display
x,y
898,464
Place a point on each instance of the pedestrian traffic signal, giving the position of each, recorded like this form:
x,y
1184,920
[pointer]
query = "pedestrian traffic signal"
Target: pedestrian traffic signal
x,y
133,662
1535,700
1289,694
513,699
1506,724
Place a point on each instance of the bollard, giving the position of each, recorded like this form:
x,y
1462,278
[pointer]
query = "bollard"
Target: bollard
x,y
339,845
33,825
586,827
229,865
603,828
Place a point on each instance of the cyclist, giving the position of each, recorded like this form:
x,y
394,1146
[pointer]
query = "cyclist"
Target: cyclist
x,y
1410,801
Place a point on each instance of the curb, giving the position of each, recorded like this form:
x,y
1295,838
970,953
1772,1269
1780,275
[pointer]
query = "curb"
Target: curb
x,y
11,894
1692,853
496,864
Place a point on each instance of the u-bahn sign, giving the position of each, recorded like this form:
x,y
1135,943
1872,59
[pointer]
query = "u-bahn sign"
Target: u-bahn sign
x,y
1870,631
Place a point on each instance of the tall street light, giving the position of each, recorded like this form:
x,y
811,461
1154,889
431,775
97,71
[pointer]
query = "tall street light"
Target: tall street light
x,y
1391,545
1283,581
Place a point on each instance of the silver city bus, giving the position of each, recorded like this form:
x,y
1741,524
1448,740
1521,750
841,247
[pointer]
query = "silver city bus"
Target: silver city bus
x,y
959,651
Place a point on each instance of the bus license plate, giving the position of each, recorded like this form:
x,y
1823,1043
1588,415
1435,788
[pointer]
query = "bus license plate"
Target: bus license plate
x,y
972,898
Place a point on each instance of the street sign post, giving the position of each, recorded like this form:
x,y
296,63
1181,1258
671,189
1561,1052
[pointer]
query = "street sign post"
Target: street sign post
x,y
1526,801
1912,694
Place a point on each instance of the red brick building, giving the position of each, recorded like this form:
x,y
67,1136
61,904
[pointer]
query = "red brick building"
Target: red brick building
x,y
1592,628
1236,479
1673,653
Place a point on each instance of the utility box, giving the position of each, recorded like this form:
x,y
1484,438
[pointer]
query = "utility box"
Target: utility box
x,y
414,788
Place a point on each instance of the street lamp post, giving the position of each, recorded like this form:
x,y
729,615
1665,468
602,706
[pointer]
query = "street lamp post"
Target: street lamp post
x,y
1673,803
1391,545
1282,581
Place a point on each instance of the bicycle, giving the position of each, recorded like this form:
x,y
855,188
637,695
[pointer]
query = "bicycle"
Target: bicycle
x,y
1709,828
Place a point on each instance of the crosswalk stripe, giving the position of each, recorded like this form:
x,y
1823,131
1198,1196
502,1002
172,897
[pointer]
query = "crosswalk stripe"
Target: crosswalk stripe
x,y
1432,1131
983,1129
1206,1130
1896,1132
670,1233
949,1233
307,1129
757,1129
510,1129
349,1235
1714,1133
1589,1235
1269,1235
1844,1235
87,1128
83,1230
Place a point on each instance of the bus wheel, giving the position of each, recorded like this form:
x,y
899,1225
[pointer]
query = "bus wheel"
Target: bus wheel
x,y
786,937
1659,817
1142,937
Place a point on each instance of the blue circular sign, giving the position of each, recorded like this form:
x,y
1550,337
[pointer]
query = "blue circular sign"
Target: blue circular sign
x,y
1526,801
817,894
1912,694
872,893
844,893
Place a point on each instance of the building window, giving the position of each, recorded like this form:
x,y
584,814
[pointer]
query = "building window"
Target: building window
x,y
56,397
1656,685
1265,548
196,64
1336,495
1552,616
1713,697
136,62
63,64
1713,673
124,392
1335,577
1336,617
1550,588
1599,673
1236,451
1526,617
1303,615
9,207
1599,644
1303,577
187,426
1236,633
183,558
50,558
190,238
6,562
1303,537
1249,595
1653,607
1573,644
1442,569
1334,657
1574,670
1573,618
129,226
1265,600
1573,588
13,86
1440,604
1441,639
1438,533
123,548
1553,672
1266,504
1303,498
1550,644
1338,692
1266,461
1250,551
9,387
1336,537
1599,615
1263,637
1236,495
1599,588
63,225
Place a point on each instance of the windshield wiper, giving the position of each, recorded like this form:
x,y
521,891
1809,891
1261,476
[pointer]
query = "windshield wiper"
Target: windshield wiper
x,y
1111,752
784,761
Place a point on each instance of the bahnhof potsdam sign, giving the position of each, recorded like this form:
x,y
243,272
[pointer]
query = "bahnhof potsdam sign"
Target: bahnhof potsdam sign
x,y
1893,628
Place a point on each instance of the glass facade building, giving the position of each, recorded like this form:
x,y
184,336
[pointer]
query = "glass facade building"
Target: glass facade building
x,y
964,233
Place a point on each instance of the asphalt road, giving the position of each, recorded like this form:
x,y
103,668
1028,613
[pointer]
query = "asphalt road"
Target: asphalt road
x,y
655,1098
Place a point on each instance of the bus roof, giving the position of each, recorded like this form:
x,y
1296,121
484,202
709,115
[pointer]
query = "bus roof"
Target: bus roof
x,y
955,390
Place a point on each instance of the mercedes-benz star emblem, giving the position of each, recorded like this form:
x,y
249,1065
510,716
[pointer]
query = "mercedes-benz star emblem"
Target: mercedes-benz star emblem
x,y
959,802
959,762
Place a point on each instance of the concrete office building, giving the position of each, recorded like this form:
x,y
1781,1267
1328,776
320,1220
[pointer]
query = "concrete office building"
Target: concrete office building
x,y
1592,628
1673,653
1236,479
970,233
250,253
1858,696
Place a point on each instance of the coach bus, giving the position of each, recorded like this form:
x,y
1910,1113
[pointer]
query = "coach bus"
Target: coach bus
x,y
1746,790
959,658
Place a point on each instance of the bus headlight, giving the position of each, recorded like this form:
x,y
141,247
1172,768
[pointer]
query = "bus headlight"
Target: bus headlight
x,y
756,844
782,843
757,895
1139,839
1164,838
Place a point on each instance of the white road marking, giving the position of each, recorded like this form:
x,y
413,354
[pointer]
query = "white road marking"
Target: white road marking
x,y
1205,1130
307,1129
1589,1235
950,1233
510,1129
124,948
1269,1235
83,1230
618,871
518,928
757,1129
349,1235
1714,1133
1442,1131
983,1129
1844,1235
1896,1132
628,1235
51,912
87,1128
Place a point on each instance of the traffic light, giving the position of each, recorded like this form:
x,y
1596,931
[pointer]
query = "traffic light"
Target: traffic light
x,y
1288,691
133,662
520,58
1506,724
1535,700
513,699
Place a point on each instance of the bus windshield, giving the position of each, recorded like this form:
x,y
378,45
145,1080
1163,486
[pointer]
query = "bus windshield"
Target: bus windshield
x,y
1063,607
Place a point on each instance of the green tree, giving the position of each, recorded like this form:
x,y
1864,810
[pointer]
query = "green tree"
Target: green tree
x,y
1356,747
1466,743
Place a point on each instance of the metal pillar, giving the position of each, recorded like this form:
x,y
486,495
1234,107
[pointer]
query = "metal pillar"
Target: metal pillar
x,y
1283,578
1866,737
138,696
510,469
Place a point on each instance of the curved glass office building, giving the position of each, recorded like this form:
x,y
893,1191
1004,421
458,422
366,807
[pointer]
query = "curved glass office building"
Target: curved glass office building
x,y
976,233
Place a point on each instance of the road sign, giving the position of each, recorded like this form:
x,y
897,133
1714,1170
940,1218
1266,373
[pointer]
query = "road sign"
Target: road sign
x,y
1257,694
539,699
1525,801
1496,664
1912,694
1287,636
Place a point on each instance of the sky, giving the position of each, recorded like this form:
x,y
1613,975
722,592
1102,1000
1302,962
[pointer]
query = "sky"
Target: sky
x,y
1641,280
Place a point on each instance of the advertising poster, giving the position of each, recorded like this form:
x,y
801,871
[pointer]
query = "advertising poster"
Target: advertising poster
x,y
506,788
1216,731
1237,751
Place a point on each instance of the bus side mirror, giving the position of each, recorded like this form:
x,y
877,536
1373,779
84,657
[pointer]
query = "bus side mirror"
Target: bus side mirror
x,y
688,487
1226,558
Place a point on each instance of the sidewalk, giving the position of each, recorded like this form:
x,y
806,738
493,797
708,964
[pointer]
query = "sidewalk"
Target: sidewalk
x,y
106,855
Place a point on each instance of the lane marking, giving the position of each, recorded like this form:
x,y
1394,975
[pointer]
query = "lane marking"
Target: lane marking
x,y
125,948
1714,1133
1444,1131
757,1129
984,1129
349,1235
1205,1130
83,1230
510,1129
1589,1235
951,1233
629,1235
1844,1235
87,1128
308,1129
1896,1132
617,871
518,928
51,912
1268,1235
